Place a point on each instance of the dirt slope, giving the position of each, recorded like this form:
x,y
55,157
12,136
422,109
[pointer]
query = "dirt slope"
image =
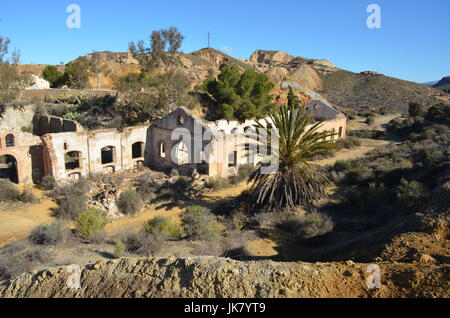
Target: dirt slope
x,y
219,277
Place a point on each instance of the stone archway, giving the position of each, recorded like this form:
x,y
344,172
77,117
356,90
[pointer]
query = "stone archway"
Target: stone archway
x,y
9,168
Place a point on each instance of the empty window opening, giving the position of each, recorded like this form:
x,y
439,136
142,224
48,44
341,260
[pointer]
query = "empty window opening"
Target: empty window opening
x,y
108,155
137,150
72,160
9,140
8,168
162,150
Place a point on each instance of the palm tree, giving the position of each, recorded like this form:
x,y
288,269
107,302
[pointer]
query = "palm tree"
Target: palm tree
x,y
297,181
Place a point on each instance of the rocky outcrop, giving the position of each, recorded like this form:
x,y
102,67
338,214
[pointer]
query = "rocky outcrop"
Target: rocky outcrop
x,y
219,277
269,57
307,77
443,84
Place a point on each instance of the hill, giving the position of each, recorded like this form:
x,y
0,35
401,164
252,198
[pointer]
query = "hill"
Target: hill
x,y
443,84
344,89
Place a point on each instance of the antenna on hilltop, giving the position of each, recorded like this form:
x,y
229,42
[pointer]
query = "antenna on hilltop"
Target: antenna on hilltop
x,y
209,40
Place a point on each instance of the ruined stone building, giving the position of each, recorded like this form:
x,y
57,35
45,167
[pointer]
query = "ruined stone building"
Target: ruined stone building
x,y
180,140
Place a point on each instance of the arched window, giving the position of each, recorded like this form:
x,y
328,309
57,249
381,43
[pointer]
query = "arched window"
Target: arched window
x,y
9,140
108,154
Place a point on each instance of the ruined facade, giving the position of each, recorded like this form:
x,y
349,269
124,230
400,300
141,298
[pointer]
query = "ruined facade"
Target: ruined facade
x,y
179,140
227,144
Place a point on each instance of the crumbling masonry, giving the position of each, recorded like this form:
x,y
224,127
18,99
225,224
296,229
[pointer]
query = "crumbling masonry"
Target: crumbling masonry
x,y
64,150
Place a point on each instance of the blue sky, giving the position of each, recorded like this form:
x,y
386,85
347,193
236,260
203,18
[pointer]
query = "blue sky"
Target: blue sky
x,y
413,42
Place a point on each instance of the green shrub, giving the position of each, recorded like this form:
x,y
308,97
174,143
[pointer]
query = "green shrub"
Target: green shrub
x,y
199,224
8,191
49,234
130,202
48,182
415,109
119,248
439,113
91,222
165,225
309,225
412,193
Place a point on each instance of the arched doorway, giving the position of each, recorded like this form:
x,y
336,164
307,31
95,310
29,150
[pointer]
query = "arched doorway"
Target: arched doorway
x,y
8,168
108,155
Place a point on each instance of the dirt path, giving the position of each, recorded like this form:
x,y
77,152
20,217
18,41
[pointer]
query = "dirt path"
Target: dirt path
x,y
16,225
172,210
379,122
353,153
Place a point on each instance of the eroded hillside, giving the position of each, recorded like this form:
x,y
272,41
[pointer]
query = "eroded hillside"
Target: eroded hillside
x,y
219,277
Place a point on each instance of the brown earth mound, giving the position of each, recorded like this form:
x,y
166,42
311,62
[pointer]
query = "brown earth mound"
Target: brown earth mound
x,y
219,277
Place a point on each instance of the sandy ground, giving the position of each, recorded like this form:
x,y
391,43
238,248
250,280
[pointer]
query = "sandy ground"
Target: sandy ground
x,y
16,225
353,153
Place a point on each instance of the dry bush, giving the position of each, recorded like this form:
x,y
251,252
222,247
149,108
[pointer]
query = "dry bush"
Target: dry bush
x,y
8,191
199,224
17,259
48,183
50,234
308,225
71,199
130,202
146,244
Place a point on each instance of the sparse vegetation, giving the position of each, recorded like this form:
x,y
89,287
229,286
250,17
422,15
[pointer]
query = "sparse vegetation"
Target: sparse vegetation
x,y
199,224
49,234
71,199
164,225
308,225
90,222
119,248
145,243
49,182
130,202
9,192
